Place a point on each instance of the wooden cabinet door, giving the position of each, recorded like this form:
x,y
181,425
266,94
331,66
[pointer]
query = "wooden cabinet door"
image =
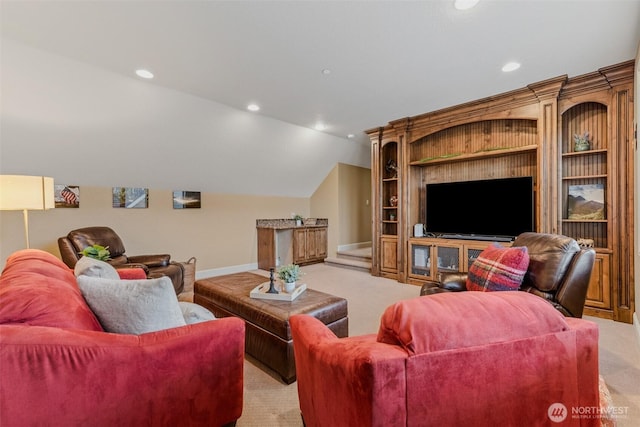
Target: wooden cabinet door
x,y
321,242
312,244
299,245
389,251
599,292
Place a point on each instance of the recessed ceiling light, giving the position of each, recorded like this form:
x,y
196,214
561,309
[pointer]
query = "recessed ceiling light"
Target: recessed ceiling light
x,y
253,107
351,136
145,74
320,126
465,4
510,66
326,71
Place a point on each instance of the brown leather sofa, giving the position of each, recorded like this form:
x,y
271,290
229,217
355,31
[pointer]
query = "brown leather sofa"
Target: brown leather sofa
x,y
559,271
154,266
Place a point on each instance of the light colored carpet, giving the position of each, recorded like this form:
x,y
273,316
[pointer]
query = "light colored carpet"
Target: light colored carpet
x,y
270,403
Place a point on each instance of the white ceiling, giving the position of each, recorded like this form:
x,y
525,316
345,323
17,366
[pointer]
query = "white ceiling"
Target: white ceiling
x,y
388,59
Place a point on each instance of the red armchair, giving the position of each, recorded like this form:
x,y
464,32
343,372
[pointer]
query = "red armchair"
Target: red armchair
x,y
481,359
57,366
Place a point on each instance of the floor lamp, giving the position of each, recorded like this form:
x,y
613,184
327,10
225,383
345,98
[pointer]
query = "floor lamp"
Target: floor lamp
x,y
26,193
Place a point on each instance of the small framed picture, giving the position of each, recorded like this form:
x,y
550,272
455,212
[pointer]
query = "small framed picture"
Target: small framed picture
x,y
186,200
130,197
66,196
586,202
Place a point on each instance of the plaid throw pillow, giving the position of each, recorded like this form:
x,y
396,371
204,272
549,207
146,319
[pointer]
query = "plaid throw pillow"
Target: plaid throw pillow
x,y
498,269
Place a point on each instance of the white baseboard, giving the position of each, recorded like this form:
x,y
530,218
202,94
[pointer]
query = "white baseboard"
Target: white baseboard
x,y
352,246
636,323
204,274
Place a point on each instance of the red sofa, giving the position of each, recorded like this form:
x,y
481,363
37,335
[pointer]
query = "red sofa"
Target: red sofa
x,y
451,359
58,367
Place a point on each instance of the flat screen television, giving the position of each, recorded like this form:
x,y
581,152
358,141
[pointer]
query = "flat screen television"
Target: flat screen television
x,y
484,209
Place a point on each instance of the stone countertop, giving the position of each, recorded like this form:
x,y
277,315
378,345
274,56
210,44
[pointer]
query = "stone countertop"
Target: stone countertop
x,y
283,224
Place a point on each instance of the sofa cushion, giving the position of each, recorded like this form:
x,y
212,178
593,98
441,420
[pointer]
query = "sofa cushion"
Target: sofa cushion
x,y
194,313
132,306
467,319
38,289
498,269
95,268
132,273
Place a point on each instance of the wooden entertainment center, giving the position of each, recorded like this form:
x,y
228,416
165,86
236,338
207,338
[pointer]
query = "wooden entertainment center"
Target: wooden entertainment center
x,y
526,132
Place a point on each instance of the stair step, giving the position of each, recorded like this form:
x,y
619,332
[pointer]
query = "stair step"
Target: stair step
x,y
363,255
348,263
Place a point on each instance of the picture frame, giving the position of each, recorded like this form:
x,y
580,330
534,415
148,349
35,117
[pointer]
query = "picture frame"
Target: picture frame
x,y
130,197
187,200
586,202
66,196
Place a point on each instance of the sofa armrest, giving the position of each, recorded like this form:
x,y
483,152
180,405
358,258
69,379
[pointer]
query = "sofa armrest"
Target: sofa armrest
x,y
68,252
192,375
572,294
447,282
347,381
161,260
454,282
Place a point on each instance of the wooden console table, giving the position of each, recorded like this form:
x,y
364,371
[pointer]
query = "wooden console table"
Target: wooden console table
x,y
281,242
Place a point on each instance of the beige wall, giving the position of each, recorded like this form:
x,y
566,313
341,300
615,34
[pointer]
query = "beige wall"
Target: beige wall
x,y
343,198
222,234
355,204
324,204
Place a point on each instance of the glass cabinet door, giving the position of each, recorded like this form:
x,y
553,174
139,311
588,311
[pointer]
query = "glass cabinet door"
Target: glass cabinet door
x,y
448,258
421,260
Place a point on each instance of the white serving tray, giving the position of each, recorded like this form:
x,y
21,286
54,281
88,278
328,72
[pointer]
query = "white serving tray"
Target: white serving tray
x,y
260,292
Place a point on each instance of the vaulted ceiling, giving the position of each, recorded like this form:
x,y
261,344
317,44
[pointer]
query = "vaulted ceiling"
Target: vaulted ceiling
x,y
384,60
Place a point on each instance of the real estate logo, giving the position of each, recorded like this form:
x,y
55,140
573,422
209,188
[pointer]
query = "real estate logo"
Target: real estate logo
x,y
557,412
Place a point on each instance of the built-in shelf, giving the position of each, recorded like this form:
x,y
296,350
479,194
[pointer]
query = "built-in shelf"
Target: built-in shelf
x,y
583,153
389,179
452,158
566,178
585,220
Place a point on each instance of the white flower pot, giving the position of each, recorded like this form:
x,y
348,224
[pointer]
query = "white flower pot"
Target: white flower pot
x,y
289,287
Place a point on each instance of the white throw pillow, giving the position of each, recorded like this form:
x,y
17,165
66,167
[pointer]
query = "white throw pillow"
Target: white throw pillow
x,y
194,313
95,268
132,306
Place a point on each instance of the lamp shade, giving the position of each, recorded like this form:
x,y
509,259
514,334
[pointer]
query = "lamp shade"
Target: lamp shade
x,y
22,192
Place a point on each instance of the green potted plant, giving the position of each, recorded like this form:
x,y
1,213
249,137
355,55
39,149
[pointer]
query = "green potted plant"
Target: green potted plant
x,y
96,251
289,274
298,219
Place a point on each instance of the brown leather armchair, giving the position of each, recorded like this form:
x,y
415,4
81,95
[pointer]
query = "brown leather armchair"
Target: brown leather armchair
x,y
155,266
559,271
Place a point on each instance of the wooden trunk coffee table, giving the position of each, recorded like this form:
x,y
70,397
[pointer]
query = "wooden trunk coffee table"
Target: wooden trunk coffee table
x,y
268,336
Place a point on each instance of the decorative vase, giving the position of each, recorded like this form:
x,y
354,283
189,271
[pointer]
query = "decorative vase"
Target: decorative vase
x,y
581,142
581,145
289,287
298,222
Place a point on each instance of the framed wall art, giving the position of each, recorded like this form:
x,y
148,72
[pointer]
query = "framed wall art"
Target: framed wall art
x,y
130,197
186,200
586,202
66,196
